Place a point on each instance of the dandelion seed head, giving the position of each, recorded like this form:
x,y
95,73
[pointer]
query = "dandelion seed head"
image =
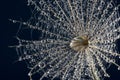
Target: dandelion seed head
x,y
75,39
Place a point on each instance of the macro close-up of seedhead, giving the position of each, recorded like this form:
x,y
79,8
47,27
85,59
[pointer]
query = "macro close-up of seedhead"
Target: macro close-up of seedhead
x,y
70,39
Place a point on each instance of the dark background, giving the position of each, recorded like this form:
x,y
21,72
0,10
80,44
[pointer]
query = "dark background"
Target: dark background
x,y
9,68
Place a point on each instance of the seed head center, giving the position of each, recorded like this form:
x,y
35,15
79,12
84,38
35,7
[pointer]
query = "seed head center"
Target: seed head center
x,y
79,43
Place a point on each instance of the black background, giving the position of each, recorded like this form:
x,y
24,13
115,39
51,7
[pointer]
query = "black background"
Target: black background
x,y
9,68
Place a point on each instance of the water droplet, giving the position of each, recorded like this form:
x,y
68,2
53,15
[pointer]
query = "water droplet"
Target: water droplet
x,y
41,64
119,56
29,74
106,75
119,68
20,59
